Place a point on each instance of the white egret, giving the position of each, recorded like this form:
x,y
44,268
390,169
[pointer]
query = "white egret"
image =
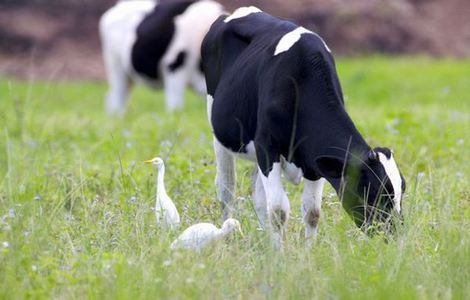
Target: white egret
x,y
198,236
165,209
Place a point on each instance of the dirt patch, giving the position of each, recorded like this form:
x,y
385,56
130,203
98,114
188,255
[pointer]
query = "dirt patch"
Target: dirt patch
x,y
59,39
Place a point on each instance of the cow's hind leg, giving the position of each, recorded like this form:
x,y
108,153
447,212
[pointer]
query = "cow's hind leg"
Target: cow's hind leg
x,y
311,207
259,199
225,178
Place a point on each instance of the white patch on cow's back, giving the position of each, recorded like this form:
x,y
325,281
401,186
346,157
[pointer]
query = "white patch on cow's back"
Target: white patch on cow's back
x,y
242,12
391,169
290,38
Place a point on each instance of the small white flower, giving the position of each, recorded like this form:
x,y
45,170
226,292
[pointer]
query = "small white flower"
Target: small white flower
x,y
64,267
6,244
129,145
189,280
420,175
460,141
166,263
34,268
68,217
166,144
107,267
126,133
11,212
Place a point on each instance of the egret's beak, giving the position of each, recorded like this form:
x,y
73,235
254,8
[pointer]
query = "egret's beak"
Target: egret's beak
x,y
148,161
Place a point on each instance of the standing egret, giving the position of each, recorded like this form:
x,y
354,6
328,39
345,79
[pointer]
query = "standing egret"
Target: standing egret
x,y
165,209
198,236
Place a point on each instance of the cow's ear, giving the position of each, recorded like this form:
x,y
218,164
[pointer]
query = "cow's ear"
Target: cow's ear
x,y
330,166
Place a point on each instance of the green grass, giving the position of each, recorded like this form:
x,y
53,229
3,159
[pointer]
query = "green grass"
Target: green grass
x,y
76,217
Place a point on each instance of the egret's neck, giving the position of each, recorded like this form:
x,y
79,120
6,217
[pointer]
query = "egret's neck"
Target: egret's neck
x,y
161,181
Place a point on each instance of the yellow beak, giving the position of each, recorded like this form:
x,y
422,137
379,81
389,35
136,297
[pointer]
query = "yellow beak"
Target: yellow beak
x,y
148,161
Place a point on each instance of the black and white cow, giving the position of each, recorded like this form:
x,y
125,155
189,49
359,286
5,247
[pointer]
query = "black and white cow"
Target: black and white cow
x,y
274,98
152,43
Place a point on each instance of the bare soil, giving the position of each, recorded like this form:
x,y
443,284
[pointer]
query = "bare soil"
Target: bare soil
x,y
59,39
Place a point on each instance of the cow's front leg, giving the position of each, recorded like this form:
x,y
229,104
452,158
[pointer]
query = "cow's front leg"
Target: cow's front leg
x,y
225,178
277,202
175,82
311,206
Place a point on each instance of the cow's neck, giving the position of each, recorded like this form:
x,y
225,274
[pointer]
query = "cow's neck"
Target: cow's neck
x,y
336,136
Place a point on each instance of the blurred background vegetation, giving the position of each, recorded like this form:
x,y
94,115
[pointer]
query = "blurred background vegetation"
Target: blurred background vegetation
x,y
59,38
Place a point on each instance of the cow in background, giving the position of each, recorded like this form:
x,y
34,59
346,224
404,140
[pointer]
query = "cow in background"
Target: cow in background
x,y
152,43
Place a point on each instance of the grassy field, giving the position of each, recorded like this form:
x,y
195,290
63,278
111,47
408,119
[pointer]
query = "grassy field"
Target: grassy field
x,y
76,218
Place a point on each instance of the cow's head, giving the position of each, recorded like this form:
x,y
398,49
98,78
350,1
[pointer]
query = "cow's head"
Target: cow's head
x,y
370,185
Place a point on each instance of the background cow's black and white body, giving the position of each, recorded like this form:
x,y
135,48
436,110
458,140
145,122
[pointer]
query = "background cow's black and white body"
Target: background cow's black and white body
x,y
274,98
153,43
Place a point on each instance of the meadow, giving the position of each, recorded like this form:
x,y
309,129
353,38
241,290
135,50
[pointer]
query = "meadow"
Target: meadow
x,y
76,199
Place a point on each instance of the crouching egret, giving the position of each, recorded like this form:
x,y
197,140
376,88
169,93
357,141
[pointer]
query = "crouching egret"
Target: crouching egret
x,y
165,210
198,236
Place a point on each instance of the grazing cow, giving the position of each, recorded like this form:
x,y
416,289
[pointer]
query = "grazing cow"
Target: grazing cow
x,y
151,43
274,98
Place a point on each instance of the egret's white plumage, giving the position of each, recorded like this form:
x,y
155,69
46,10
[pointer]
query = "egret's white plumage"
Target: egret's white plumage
x,y
198,236
165,210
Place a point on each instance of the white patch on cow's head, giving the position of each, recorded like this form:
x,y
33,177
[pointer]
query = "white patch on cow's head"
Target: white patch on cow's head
x,y
242,12
391,169
290,38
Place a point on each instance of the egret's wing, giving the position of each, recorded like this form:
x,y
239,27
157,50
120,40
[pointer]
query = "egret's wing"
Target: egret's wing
x,y
196,236
171,214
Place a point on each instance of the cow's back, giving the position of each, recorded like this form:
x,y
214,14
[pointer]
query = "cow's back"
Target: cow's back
x,y
235,52
259,72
